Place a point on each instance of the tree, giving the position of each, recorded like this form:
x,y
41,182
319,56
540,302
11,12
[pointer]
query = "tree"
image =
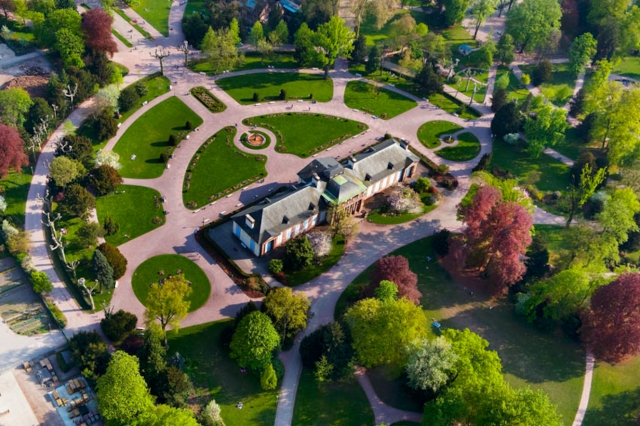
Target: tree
x,y
387,290
611,327
333,342
96,24
64,170
396,269
582,190
105,157
77,202
153,363
542,73
481,10
506,49
194,29
630,31
359,49
87,234
305,53
41,282
342,222
382,11
234,31
617,217
374,62
166,303
38,111
118,326
14,105
105,179
452,11
381,330
211,414
70,46
114,258
163,415
128,99
280,34
577,103
507,120
583,48
430,365
333,39
256,35
179,387
220,48
298,254
77,148
12,154
254,341
268,378
499,99
121,392
532,22
428,81
103,270
89,353
547,129
287,310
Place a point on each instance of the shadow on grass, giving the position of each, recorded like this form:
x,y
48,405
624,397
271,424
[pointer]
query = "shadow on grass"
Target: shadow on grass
x,y
622,409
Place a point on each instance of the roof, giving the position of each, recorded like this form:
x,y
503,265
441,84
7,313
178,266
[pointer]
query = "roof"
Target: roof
x,y
325,168
290,6
381,160
343,187
272,216
465,47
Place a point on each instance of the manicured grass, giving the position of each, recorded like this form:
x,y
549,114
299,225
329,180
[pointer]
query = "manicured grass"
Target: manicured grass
x,y
468,148
429,133
134,209
268,86
252,61
560,89
453,106
307,274
156,85
513,158
551,362
155,12
148,273
218,377
305,134
14,188
221,167
195,6
330,403
615,394
376,100
148,137
121,38
134,25
628,67
515,91
481,89
380,219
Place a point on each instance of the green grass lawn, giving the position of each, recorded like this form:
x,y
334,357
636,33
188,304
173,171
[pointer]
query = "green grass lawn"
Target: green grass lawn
x,y
138,28
429,133
513,158
628,67
134,210
268,86
155,12
148,137
376,100
221,166
218,377
307,274
252,61
468,148
556,237
560,89
156,85
551,362
615,394
481,89
515,91
14,188
382,219
305,134
330,403
121,38
374,35
148,273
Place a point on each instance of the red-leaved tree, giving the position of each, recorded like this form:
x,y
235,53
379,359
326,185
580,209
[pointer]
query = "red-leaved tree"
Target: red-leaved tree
x,y
11,150
495,239
611,326
396,269
96,24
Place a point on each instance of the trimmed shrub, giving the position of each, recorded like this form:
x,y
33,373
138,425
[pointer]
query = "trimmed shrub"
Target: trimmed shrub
x,y
283,95
117,261
275,266
256,97
188,125
118,326
173,141
128,99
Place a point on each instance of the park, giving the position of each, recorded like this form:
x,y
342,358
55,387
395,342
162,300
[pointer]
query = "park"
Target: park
x,y
406,218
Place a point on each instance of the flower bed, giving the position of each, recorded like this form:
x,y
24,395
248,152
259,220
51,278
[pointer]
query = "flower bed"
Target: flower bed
x,y
207,99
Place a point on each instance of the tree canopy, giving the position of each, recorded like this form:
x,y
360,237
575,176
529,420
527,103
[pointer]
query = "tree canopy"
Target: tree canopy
x,y
287,310
254,341
166,303
532,22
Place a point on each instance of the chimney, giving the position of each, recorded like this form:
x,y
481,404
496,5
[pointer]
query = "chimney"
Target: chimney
x,y
404,144
316,180
249,221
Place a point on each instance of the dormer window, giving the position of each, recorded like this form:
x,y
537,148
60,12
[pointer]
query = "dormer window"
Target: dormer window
x,y
285,219
367,178
249,221
390,165
312,206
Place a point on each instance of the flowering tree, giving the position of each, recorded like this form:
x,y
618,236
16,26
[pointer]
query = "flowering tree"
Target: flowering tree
x,y
320,242
404,200
105,157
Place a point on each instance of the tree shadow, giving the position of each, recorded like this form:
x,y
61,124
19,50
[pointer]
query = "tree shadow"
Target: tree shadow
x,y
160,144
622,409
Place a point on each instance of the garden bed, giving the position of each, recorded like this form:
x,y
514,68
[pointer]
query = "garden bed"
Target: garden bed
x,y
246,140
207,99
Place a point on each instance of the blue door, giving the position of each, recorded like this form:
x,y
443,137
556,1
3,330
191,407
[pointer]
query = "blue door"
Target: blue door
x,y
238,231
252,245
267,248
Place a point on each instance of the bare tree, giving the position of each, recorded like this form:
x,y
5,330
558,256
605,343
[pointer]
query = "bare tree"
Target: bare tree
x,y
70,93
160,53
185,49
51,224
89,291
40,133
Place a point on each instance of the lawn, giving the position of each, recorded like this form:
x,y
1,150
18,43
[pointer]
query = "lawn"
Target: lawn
x,y
148,137
551,362
330,403
560,89
14,188
218,377
556,237
514,88
304,134
481,89
628,67
429,133
156,85
195,6
380,219
134,209
376,100
513,158
268,86
220,167
307,274
252,61
155,12
149,272
468,148
615,394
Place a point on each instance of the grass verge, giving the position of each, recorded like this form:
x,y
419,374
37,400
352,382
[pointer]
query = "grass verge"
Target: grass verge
x,y
376,100
252,61
133,24
155,12
121,38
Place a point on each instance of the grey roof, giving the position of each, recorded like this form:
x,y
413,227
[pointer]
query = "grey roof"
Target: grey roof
x,y
326,168
343,187
382,160
273,216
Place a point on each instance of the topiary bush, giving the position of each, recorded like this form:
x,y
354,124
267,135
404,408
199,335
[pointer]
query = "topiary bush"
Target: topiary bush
x,y
173,141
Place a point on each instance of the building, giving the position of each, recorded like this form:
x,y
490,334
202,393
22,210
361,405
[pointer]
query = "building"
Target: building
x,y
323,184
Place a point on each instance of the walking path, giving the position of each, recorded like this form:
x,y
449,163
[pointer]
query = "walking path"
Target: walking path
x,y
586,391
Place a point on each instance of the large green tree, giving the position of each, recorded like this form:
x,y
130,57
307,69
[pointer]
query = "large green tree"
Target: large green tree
x,y
287,310
617,216
254,341
220,48
532,22
64,170
546,129
14,105
167,304
452,11
77,201
333,39
122,392
582,50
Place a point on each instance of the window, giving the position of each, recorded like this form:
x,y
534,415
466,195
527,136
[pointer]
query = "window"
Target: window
x,y
306,224
237,229
288,233
314,220
268,247
322,216
297,231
